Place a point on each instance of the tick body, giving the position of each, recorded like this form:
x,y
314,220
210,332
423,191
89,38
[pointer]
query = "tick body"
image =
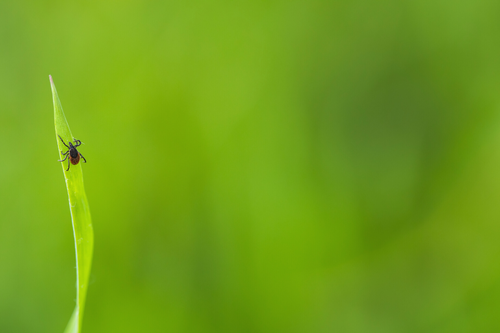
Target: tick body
x,y
73,155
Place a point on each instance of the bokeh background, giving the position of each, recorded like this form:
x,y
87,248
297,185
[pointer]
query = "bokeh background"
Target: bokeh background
x,y
254,166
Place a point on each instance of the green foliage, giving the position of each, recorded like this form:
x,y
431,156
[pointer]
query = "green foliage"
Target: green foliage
x,y
255,166
80,215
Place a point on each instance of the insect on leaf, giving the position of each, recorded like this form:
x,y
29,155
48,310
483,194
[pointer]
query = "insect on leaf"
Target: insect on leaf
x,y
80,216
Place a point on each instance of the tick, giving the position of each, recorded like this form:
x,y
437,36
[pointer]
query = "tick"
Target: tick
x,y
73,154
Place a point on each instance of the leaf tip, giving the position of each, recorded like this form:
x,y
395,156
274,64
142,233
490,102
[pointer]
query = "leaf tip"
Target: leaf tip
x,y
50,78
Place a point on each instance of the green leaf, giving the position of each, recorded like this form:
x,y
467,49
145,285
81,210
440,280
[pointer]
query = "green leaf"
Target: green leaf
x,y
80,215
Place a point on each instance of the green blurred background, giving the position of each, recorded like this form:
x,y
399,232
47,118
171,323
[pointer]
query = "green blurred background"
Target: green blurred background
x,y
254,166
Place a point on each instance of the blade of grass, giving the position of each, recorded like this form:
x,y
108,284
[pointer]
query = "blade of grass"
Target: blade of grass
x,y
80,215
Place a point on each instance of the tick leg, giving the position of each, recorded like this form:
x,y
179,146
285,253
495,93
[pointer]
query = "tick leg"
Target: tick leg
x,y
63,141
82,157
68,165
64,153
77,142
64,159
